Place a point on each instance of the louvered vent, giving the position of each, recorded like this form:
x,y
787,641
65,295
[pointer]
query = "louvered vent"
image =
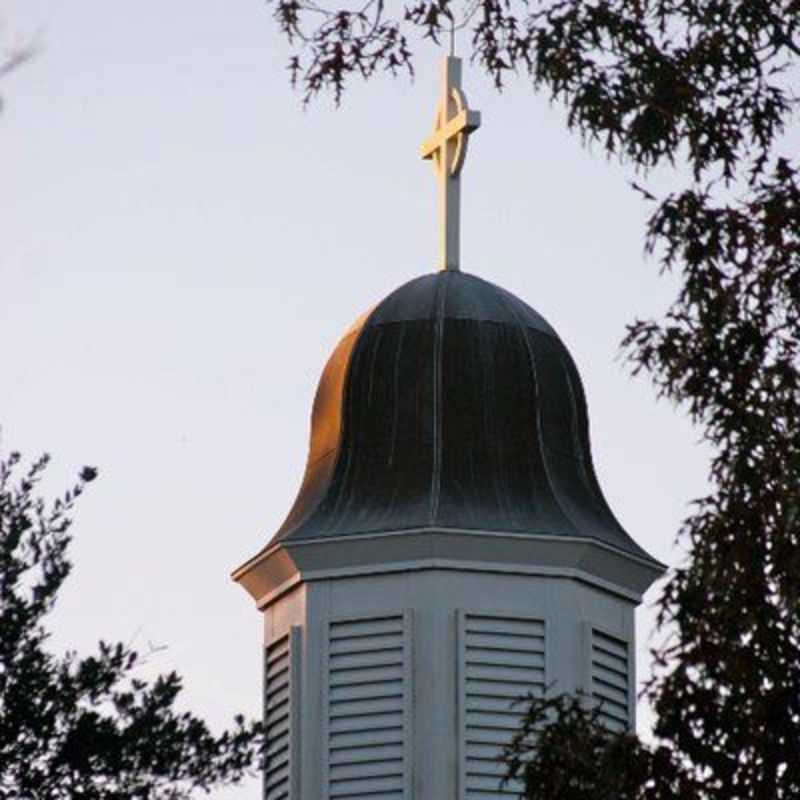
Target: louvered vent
x,y
368,713
501,661
610,684
278,718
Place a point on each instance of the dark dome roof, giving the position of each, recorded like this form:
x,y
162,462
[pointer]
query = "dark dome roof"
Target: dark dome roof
x,y
451,405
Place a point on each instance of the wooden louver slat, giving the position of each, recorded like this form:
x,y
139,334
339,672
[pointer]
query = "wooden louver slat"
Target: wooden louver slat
x,y
610,682
368,679
277,718
502,659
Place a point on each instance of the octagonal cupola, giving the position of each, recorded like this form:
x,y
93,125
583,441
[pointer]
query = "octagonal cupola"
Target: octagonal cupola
x,y
449,550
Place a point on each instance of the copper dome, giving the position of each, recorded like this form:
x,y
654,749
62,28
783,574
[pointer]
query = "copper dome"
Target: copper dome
x,y
452,405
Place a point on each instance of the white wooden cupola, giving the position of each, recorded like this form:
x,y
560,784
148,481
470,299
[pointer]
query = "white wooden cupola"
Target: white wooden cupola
x,y
450,549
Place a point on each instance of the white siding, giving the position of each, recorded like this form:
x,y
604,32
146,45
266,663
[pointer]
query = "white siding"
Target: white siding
x,y
610,679
368,708
279,705
501,659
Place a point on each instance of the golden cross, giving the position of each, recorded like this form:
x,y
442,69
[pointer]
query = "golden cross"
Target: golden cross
x,y
447,148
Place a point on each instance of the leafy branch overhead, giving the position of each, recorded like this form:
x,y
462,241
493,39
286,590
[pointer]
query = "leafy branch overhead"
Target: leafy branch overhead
x,y
652,80
87,727
708,87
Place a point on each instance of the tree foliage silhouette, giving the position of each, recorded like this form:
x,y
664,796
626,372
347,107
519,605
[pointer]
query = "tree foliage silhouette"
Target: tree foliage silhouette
x,y
87,728
705,86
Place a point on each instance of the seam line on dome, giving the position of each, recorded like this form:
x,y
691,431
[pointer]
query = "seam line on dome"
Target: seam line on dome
x,y
321,457
438,335
523,331
343,455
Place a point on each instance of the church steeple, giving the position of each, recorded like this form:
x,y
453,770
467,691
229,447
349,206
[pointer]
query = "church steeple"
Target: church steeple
x,y
450,549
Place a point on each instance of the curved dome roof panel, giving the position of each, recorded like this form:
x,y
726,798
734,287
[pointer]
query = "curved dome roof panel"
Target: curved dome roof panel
x,y
493,473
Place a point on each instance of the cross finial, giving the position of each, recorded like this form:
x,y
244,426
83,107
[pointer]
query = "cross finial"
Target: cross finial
x,y
447,148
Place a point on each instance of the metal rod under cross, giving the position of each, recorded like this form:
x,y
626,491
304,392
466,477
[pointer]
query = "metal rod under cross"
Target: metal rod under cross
x,y
447,148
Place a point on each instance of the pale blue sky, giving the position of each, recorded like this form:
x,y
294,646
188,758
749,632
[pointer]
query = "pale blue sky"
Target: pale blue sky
x,y
181,247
